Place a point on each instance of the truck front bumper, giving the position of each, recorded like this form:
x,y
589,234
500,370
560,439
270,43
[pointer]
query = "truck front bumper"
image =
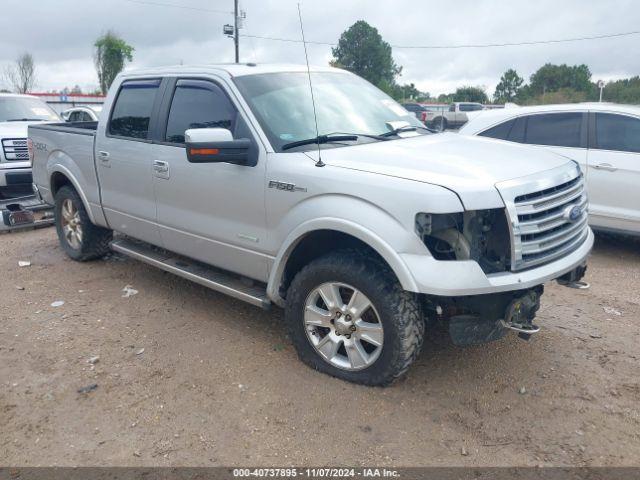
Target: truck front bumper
x,y
465,277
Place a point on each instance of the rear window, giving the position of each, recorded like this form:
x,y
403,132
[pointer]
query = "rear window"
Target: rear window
x,y
132,111
501,131
554,129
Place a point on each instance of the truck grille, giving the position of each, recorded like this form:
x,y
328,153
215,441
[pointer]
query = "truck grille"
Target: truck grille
x,y
15,149
546,223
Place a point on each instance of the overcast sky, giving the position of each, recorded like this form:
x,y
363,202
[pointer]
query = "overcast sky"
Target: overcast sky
x,y
60,35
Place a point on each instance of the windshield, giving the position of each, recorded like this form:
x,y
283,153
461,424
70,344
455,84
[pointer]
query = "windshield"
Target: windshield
x,y
345,104
16,109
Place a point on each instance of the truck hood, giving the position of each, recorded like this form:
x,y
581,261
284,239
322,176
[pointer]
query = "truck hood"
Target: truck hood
x,y
469,166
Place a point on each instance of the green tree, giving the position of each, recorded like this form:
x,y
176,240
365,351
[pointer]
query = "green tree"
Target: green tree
x,y
470,94
509,87
362,50
111,53
626,90
551,78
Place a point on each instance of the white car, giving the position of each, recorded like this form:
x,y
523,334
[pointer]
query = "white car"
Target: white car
x,y
603,138
82,113
17,112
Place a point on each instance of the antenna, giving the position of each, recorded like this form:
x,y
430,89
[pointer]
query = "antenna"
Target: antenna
x,y
319,163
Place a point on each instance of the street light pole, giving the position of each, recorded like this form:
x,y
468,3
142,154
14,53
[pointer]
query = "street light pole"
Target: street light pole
x,y
236,36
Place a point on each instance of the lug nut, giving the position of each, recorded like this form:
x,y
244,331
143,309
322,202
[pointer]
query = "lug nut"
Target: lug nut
x,y
348,336
338,314
353,328
348,318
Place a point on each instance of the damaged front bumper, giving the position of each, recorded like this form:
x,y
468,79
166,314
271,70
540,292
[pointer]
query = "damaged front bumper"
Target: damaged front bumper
x,y
478,319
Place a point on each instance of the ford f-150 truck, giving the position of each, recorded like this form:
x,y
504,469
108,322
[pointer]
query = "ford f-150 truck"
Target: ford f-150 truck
x,y
17,112
364,226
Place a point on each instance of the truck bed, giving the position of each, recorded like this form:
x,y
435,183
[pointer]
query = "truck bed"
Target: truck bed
x,y
67,148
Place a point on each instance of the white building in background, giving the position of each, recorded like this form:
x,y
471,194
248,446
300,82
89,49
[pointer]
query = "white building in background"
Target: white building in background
x,y
62,101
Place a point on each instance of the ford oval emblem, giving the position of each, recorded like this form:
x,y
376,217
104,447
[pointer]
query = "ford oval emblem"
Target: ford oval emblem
x,y
573,213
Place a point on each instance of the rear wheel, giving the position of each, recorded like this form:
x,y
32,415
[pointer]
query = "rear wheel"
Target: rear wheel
x,y
79,238
440,124
349,317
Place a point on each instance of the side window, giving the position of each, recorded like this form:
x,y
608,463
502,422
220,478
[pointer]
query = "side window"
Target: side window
x,y
556,129
198,104
469,107
452,108
74,117
617,132
501,131
132,111
518,129
85,117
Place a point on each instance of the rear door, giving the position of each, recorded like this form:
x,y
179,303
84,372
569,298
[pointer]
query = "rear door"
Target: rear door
x,y
614,171
123,158
212,212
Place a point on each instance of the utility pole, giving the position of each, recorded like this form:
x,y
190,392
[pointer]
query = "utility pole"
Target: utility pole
x,y
236,36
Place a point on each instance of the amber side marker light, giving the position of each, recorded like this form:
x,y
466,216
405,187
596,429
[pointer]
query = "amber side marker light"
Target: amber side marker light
x,y
204,151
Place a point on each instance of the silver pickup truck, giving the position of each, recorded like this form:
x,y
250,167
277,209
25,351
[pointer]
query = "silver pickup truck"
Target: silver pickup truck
x,y
365,227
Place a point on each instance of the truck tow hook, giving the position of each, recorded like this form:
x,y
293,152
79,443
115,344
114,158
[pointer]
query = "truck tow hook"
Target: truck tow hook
x,y
525,330
580,285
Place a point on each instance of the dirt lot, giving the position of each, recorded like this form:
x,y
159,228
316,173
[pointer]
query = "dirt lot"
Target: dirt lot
x,y
219,384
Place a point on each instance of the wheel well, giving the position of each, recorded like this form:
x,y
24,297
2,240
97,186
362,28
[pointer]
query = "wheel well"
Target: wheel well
x,y
316,244
59,180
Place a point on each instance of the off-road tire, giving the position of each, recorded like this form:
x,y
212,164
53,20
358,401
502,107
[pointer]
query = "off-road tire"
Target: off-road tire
x,y
95,239
399,312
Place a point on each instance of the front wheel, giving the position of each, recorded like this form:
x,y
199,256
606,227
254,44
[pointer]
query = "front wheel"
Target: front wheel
x,y
349,317
79,238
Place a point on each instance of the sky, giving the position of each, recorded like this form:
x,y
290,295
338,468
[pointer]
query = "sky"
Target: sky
x,y
60,35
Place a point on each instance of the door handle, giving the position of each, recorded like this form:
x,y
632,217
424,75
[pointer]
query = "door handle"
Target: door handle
x,y
160,166
605,166
104,159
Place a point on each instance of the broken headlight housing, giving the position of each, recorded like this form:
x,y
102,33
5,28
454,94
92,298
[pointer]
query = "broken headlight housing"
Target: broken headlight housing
x,y
479,235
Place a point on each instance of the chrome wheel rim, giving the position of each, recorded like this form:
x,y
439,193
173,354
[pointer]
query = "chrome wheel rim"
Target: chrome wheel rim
x,y
71,225
343,326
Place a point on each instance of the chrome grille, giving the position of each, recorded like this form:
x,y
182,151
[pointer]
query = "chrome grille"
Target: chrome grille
x,y
15,149
548,216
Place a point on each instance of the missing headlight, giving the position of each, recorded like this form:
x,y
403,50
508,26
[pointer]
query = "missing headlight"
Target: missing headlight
x,y
480,235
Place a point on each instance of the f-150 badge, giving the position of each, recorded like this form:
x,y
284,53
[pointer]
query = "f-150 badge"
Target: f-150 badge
x,y
287,187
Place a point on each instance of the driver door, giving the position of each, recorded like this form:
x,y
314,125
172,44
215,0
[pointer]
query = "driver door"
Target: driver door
x,y
211,212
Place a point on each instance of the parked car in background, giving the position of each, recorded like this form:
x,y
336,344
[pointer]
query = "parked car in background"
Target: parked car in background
x,y
219,174
17,112
82,113
457,115
603,138
421,109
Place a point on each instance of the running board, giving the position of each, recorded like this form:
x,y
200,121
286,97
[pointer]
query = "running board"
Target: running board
x,y
211,277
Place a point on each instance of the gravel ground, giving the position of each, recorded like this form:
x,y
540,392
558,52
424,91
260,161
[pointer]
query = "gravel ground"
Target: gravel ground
x,y
186,376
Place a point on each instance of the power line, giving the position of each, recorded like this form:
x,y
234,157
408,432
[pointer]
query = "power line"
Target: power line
x,y
183,7
485,45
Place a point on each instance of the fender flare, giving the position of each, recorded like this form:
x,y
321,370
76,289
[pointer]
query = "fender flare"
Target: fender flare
x,y
74,181
393,258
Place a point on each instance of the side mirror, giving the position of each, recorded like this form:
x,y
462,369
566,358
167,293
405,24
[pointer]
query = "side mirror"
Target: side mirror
x,y
215,145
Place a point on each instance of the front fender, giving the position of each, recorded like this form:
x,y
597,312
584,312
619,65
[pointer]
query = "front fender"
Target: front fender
x,y
375,227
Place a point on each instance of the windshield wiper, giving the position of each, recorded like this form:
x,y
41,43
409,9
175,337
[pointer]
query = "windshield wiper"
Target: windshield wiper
x,y
319,140
25,120
408,128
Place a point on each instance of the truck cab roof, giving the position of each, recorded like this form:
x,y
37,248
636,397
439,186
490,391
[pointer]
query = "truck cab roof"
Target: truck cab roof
x,y
231,69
